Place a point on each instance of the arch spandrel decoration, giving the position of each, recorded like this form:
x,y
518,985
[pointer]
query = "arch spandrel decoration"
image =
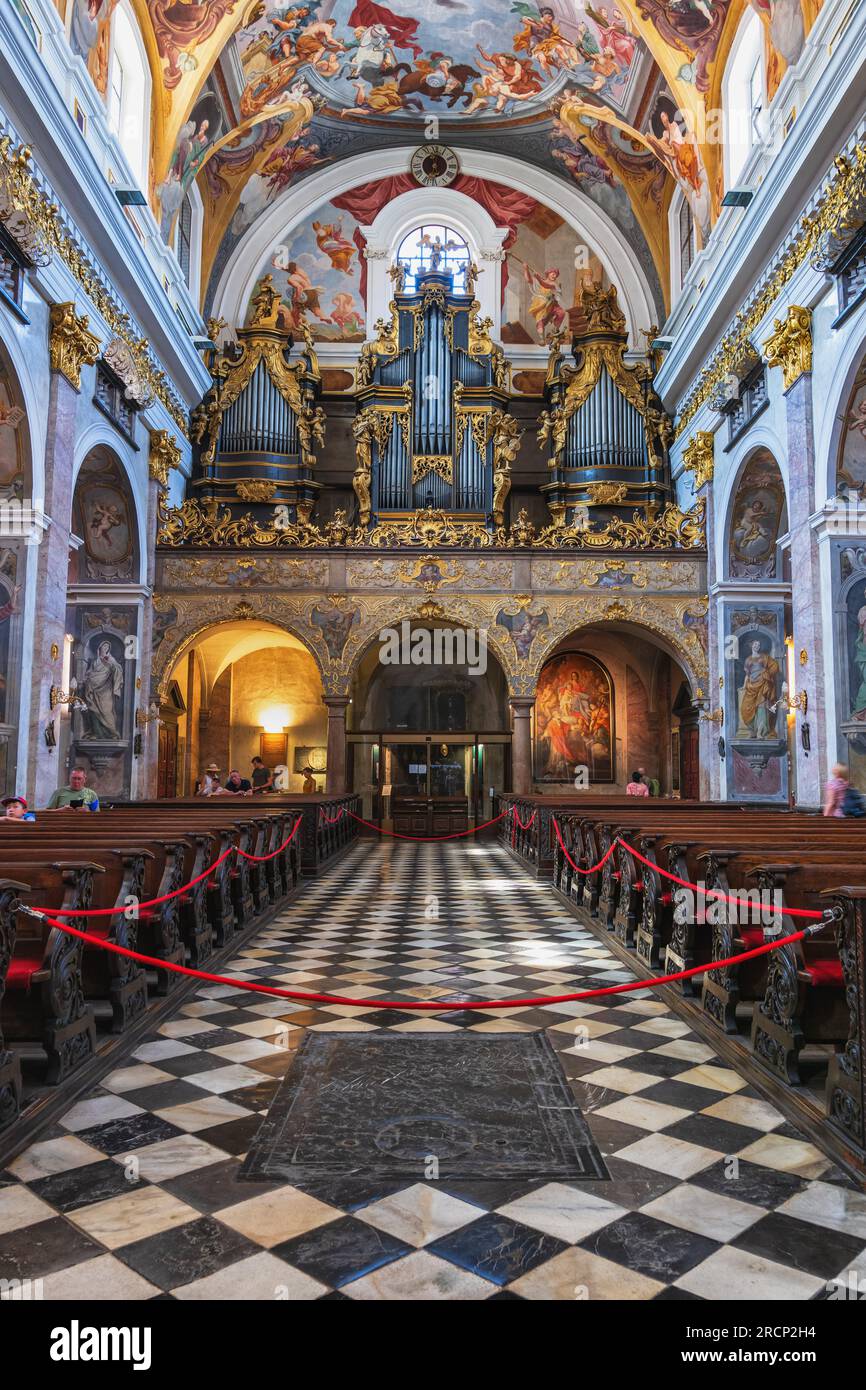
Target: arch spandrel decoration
x,y
522,630
179,621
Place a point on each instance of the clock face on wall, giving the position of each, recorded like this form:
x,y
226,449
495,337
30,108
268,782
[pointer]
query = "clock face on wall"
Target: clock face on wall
x,y
434,166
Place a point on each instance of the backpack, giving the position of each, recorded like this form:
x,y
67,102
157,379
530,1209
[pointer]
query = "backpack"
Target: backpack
x,y
852,803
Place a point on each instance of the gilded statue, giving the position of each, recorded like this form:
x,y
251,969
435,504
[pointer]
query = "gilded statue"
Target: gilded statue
x,y
506,435
364,432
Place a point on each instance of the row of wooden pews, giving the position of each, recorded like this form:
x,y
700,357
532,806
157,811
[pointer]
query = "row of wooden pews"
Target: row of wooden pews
x,y
808,994
57,993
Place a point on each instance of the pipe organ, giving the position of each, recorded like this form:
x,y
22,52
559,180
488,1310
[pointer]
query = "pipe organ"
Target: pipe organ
x,y
432,429
604,427
258,428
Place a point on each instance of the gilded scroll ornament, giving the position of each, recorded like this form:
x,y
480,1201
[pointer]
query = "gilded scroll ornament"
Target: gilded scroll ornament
x,y
71,345
256,489
699,457
163,456
606,494
24,204
790,344
834,216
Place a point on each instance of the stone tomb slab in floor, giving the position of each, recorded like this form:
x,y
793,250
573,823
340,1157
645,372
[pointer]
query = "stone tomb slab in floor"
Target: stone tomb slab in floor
x,y
385,1105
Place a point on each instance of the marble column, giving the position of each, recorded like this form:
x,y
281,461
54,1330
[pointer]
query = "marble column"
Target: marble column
x,y
146,781
699,459
521,743
335,778
807,626
52,574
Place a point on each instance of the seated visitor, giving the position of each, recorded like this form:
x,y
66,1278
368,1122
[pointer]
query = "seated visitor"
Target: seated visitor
x,y
637,787
15,808
77,796
309,781
263,778
209,783
236,784
653,784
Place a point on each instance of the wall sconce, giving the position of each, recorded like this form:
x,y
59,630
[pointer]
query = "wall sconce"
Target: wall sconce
x,y
716,717
56,697
145,717
791,703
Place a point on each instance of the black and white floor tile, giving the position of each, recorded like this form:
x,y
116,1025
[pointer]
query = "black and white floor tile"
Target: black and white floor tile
x,y
712,1194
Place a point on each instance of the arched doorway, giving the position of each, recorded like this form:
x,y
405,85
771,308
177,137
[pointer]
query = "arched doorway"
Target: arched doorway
x,y
429,743
609,701
238,690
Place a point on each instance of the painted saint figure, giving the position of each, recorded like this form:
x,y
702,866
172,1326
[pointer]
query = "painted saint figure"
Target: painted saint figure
x,y
759,692
101,687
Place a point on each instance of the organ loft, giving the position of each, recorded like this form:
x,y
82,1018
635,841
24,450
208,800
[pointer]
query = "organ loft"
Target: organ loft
x,y
432,665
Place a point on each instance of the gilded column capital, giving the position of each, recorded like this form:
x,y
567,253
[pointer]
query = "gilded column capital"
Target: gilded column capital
x,y
790,344
164,455
699,457
71,345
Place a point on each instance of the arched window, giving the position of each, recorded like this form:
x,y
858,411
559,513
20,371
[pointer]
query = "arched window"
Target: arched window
x,y
681,227
743,96
128,92
187,239
434,247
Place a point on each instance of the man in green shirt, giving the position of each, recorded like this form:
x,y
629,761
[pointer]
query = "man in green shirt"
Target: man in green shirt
x,y
77,796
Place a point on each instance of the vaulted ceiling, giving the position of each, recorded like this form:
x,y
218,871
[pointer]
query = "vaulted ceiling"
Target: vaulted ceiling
x,y
251,95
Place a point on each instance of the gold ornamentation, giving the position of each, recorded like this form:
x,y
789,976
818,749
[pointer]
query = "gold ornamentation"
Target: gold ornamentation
x,y
71,345
311,432
440,464
506,435
206,524
836,215
371,426
606,494
790,344
602,311
24,203
256,490
385,345
699,457
553,427
164,455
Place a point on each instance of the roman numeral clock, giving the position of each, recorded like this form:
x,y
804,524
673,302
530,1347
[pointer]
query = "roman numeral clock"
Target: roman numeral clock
x,y
434,166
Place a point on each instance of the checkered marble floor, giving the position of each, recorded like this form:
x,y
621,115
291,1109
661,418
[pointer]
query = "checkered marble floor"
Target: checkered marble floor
x,y
713,1195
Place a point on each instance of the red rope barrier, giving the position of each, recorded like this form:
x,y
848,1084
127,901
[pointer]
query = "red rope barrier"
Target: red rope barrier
x,y
263,858
175,892
683,882
429,1006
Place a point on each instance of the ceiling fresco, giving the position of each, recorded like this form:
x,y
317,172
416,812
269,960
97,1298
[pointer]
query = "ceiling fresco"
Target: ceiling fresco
x,y
250,96
460,59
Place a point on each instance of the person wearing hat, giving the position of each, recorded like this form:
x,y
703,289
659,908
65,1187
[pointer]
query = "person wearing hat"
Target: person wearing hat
x,y
309,781
15,808
210,781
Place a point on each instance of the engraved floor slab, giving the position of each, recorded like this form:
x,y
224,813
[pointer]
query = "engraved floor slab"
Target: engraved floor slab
x,y
383,1104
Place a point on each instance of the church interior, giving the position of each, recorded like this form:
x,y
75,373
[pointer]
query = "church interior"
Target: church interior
x,y
433,654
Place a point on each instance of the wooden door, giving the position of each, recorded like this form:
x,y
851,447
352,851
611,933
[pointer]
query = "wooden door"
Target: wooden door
x,y
690,768
166,777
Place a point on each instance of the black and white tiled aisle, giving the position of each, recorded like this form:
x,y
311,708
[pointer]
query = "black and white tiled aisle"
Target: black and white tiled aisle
x,y
712,1194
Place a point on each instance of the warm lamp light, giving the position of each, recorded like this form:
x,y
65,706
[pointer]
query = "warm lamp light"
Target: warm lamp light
x,y
274,718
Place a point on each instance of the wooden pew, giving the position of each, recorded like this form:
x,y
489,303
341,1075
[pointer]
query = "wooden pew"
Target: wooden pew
x,y
44,1003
